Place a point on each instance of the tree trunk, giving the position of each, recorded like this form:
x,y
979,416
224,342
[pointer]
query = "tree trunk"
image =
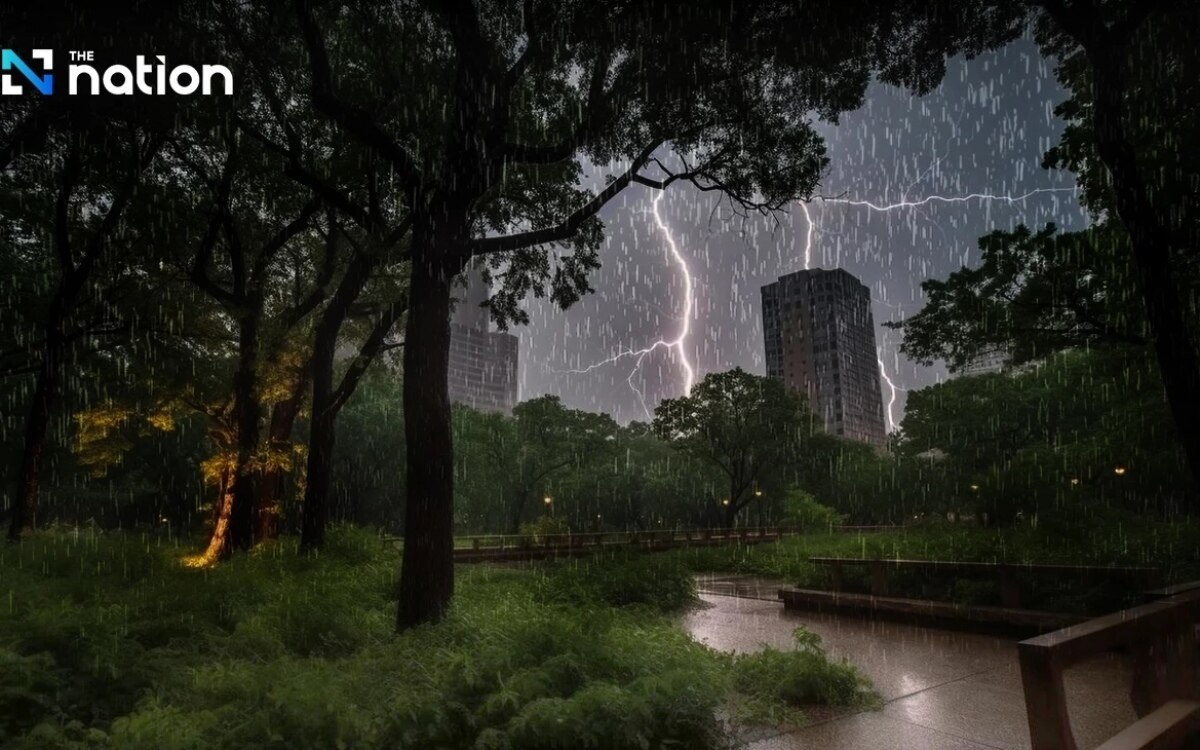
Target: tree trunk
x,y
321,438
1150,239
518,510
24,511
274,480
218,540
427,573
247,412
325,403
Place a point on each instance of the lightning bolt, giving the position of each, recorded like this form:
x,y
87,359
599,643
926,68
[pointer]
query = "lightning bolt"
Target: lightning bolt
x,y
677,344
905,203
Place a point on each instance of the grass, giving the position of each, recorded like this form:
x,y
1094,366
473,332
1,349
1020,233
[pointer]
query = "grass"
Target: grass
x,y
107,641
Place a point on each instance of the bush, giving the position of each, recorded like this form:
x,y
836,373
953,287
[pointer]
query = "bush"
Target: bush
x,y
802,509
654,581
110,642
805,676
545,526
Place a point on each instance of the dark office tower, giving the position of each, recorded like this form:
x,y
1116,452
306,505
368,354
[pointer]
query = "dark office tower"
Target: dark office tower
x,y
820,340
483,363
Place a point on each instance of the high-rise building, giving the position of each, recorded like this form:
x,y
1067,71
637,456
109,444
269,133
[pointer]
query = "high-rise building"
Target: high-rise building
x,y
820,340
483,362
993,359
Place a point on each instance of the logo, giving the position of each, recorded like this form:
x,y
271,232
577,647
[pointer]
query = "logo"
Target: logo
x,y
153,78
10,61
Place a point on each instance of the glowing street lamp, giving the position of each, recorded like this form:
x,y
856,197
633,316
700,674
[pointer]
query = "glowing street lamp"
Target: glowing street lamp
x,y
974,488
548,501
725,501
1119,470
757,492
1074,481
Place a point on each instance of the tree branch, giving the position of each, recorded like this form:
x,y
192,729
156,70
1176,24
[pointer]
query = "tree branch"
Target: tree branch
x,y
366,354
569,226
350,118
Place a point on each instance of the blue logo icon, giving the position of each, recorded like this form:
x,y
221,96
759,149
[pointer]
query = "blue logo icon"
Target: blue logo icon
x,y
10,60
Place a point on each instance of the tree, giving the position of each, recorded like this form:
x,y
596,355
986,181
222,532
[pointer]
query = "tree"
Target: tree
x,y
746,425
551,440
510,463
1132,69
232,257
1033,294
1050,436
100,174
482,124
367,235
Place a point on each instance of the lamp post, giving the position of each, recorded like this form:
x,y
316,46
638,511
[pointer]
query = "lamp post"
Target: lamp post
x,y
549,503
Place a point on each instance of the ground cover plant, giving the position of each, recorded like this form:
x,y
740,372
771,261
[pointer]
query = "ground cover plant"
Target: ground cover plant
x,y
109,641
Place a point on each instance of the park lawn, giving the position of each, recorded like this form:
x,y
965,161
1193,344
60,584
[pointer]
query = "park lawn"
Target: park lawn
x,y
109,641
1172,547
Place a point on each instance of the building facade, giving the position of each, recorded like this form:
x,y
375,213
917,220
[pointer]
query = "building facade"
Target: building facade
x,y
819,338
483,362
990,360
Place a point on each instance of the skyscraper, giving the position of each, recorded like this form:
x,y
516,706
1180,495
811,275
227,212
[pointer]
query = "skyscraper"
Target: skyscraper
x,y
483,363
820,340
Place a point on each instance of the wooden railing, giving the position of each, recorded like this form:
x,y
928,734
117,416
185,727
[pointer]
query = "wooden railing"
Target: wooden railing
x,y
516,546
1161,637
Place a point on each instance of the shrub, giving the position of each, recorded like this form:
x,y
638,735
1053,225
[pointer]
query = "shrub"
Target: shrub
x,y
545,526
770,679
108,641
658,582
802,509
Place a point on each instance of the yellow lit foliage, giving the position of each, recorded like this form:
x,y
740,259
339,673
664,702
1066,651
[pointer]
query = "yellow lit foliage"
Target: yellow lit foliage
x,y
100,440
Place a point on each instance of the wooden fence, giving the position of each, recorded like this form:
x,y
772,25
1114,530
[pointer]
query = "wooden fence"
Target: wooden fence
x,y
1160,636
509,547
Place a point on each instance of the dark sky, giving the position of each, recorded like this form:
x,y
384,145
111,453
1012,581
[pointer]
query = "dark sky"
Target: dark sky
x,y
983,131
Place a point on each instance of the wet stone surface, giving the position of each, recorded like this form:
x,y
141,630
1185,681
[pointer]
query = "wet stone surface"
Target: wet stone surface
x,y
941,688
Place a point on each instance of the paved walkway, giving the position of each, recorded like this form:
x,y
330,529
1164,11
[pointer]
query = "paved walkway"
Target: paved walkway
x,y
943,690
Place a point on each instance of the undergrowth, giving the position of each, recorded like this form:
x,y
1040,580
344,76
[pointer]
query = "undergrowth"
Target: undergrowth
x,y
108,641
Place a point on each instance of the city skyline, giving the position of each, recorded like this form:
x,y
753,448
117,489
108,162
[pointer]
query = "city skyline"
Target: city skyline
x,y
980,135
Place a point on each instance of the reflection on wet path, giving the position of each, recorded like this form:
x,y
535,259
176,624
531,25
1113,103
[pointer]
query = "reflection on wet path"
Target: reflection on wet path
x,y
943,689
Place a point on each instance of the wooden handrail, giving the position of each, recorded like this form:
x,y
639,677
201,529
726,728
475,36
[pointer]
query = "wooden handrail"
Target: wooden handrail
x,y
486,541
1164,691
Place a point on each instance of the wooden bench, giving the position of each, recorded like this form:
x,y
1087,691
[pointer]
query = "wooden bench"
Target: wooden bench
x,y
926,611
1008,575
1161,636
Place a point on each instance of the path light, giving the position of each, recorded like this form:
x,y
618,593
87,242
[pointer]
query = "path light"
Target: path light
x,y
757,492
1074,481
1119,471
725,501
547,500
974,488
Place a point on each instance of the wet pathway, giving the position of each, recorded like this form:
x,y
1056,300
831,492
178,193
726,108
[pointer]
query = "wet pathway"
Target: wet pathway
x,y
943,690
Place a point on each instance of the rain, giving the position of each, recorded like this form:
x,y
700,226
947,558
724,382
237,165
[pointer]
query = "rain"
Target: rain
x,y
498,374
